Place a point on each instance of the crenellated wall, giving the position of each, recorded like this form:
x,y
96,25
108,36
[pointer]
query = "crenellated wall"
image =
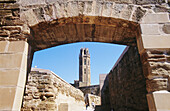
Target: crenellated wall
x,y
46,91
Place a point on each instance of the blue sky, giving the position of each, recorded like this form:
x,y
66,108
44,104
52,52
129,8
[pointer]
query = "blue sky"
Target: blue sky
x,y
64,59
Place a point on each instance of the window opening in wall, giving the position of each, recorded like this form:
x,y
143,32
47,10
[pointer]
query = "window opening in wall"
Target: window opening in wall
x,y
84,71
84,51
84,61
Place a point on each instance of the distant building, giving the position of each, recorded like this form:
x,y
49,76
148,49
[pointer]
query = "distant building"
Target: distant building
x,y
84,82
84,69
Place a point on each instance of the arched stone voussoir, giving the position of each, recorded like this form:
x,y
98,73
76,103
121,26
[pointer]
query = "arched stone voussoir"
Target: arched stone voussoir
x,y
36,13
83,28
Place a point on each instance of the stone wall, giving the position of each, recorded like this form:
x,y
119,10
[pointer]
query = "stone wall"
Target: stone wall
x,y
105,95
46,91
156,66
127,84
93,89
11,26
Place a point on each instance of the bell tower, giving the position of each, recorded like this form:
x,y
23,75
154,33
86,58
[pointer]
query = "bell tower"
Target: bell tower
x,y
84,68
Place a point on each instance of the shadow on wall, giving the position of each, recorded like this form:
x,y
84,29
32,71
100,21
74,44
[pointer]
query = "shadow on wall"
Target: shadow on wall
x,y
105,96
124,88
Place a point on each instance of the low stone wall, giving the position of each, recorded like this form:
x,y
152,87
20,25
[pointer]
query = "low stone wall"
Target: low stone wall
x,y
93,89
46,91
126,84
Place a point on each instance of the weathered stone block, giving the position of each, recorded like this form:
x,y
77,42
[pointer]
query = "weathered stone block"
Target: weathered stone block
x,y
159,101
98,8
143,2
7,96
156,69
31,2
8,6
12,78
88,8
117,10
156,41
123,1
8,1
169,83
155,18
5,13
72,9
127,12
150,29
10,28
11,98
29,17
18,46
11,60
3,46
107,9
156,84
59,10
166,28
4,33
138,14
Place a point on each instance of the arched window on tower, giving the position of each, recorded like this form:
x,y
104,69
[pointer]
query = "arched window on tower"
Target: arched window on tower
x,y
84,51
84,61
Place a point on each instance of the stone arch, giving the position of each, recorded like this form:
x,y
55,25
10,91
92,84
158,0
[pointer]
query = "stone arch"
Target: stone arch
x,y
38,23
121,19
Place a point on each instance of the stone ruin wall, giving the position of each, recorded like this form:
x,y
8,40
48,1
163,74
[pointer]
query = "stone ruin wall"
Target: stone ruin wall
x,y
95,99
45,91
126,84
105,95
93,89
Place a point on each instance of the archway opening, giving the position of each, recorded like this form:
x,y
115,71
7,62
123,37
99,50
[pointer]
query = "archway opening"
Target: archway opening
x,y
96,29
64,59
